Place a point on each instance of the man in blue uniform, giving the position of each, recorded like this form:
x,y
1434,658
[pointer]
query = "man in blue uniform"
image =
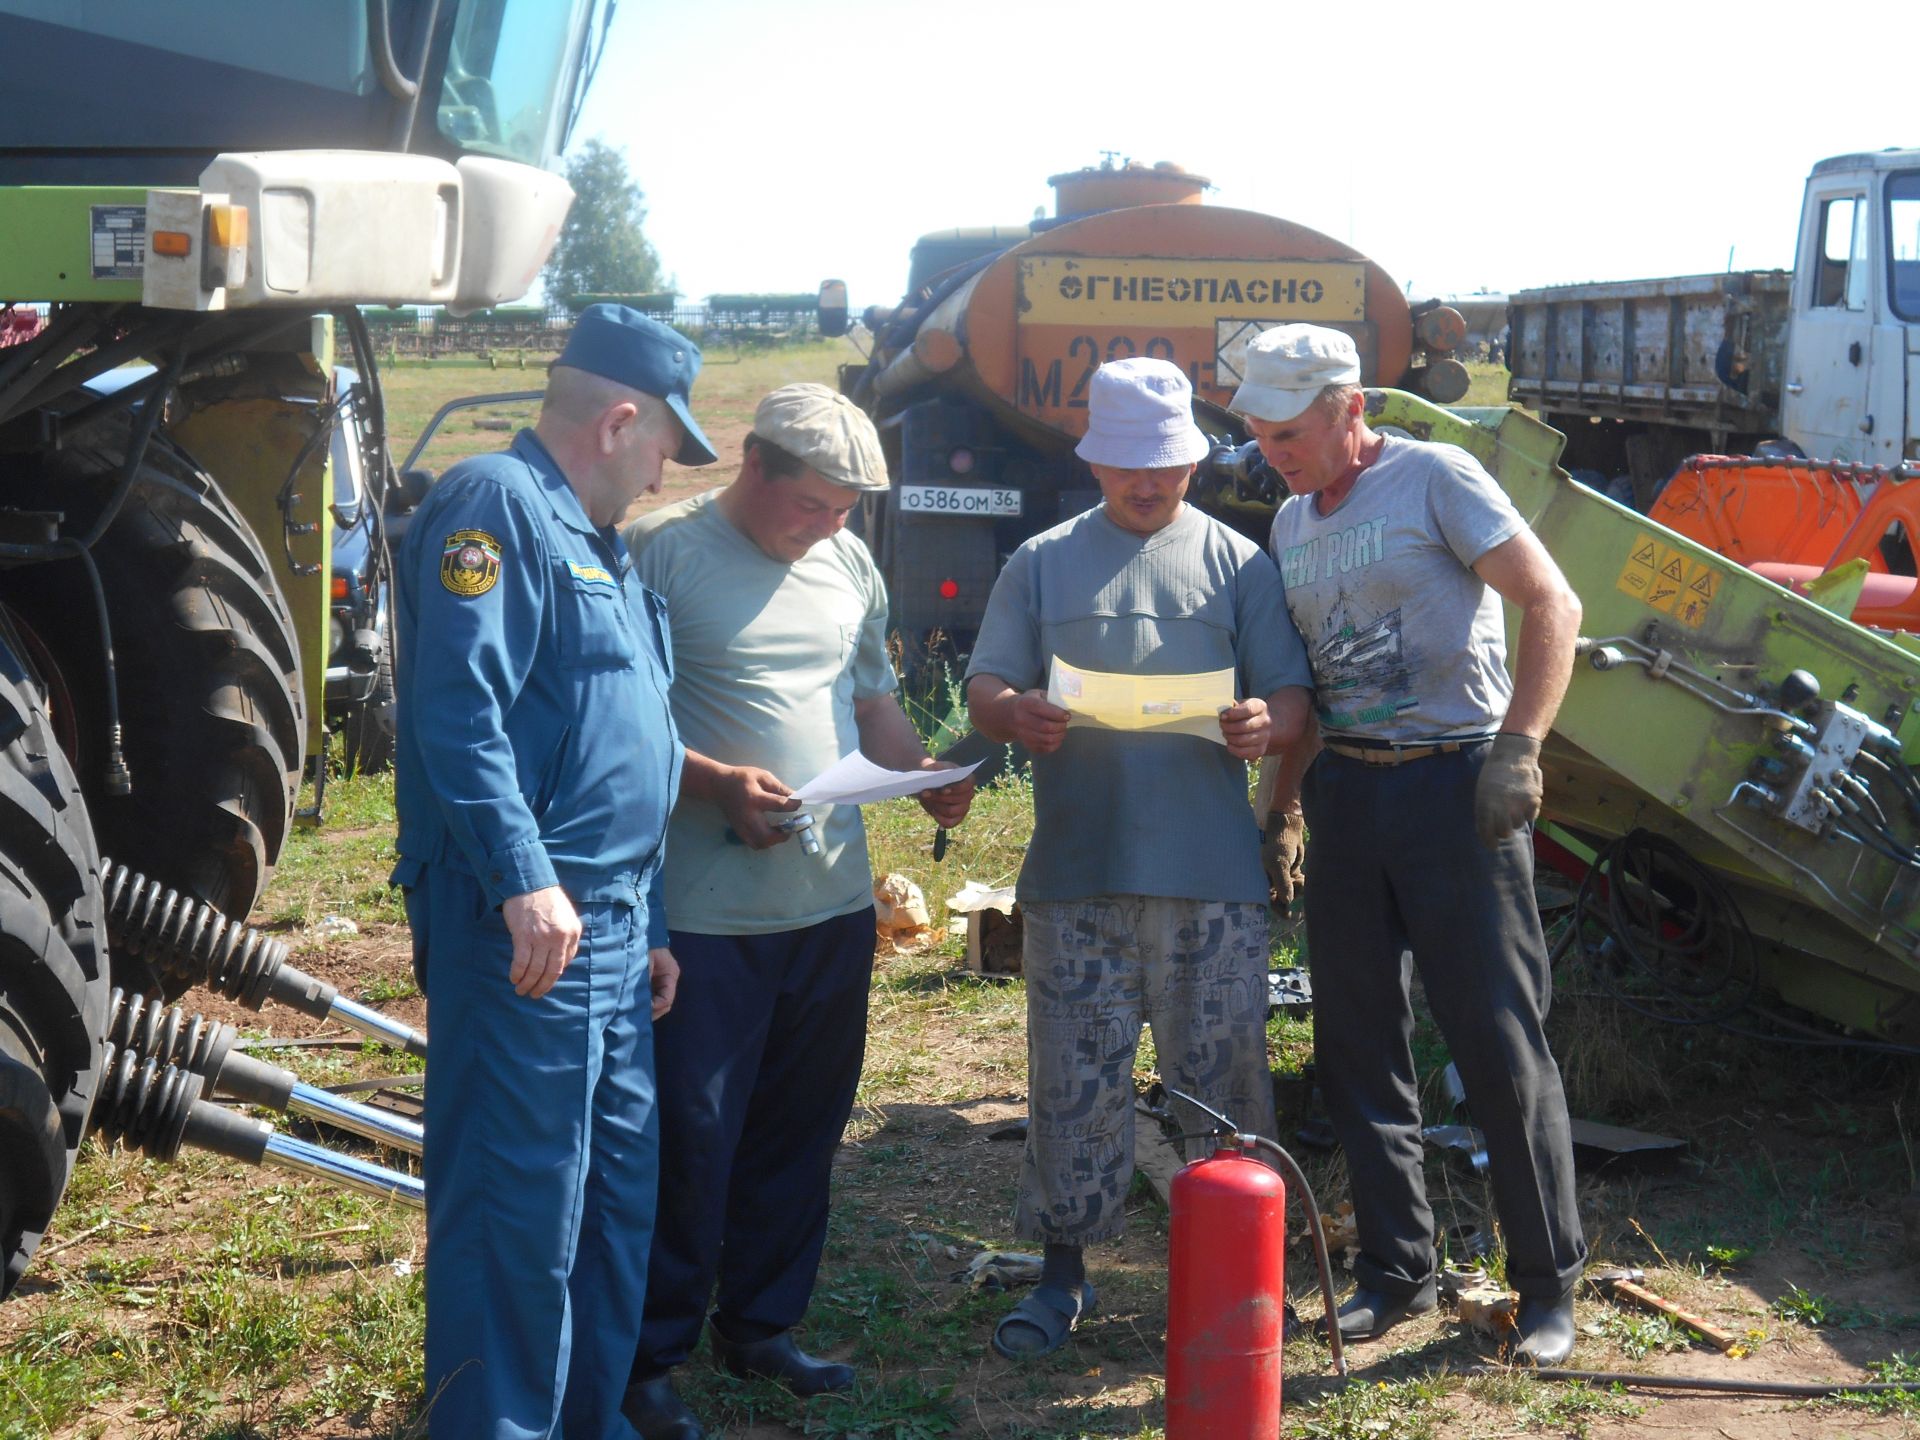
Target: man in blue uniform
x,y
537,763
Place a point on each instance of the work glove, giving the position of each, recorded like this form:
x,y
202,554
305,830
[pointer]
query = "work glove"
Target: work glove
x,y
1283,851
1508,793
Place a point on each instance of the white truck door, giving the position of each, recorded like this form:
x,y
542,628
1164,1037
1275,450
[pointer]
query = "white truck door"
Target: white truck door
x,y
1896,357
1830,336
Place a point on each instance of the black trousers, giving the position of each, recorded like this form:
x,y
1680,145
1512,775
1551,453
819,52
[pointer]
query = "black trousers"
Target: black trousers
x,y
1395,874
756,1067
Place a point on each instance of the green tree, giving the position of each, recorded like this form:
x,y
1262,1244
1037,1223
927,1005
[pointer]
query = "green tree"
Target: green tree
x,y
601,249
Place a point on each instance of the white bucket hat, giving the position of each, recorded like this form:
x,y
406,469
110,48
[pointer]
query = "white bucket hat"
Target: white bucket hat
x,y
1140,417
1287,366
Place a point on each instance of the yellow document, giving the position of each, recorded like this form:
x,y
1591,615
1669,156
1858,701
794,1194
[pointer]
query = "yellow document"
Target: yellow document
x,y
1155,704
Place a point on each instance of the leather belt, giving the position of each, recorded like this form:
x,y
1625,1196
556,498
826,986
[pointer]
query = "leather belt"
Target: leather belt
x,y
1387,753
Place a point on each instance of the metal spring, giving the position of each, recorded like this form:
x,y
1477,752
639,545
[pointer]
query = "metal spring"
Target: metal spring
x,y
143,1104
167,1034
187,939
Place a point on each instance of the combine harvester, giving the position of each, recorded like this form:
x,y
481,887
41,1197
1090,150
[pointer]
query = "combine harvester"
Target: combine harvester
x,y
1730,760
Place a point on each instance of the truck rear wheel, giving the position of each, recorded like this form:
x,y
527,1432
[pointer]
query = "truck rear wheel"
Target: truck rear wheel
x,y
53,980
208,672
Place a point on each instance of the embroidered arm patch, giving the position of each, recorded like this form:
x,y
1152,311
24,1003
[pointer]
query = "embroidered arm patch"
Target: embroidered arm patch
x,y
470,563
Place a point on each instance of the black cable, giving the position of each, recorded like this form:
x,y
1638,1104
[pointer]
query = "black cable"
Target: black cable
x,y
1638,870
1637,1381
1716,911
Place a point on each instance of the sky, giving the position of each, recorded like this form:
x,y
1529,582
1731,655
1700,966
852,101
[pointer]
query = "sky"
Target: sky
x,y
1462,147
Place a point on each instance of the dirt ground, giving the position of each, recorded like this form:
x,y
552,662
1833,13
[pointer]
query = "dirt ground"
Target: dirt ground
x,y
922,1183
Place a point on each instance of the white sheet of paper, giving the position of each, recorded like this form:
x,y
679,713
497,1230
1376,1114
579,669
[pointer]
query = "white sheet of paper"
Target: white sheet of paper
x,y
1150,704
855,780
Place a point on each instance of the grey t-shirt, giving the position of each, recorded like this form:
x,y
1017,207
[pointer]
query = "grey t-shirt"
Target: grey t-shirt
x,y
1132,814
769,659
1407,643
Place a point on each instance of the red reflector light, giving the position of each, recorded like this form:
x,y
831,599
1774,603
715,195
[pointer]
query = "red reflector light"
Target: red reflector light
x,y
339,587
949,589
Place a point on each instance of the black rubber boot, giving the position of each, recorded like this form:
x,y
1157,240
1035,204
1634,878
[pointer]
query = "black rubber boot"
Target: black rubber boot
x,y
1543,1331
655,1409
1369,1314
777,1358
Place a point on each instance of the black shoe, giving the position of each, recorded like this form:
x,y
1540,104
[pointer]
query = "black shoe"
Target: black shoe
x,y
777,1358
1369,1314
1543,1331
655,1409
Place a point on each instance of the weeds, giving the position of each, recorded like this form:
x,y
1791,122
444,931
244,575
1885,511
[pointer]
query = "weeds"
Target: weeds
x,y
1401,1409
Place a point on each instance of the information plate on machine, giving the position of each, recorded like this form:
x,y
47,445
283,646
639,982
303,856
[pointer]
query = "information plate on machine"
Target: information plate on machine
x,y
991,502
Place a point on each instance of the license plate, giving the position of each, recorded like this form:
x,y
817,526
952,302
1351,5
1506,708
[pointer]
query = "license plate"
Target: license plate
x,y
962,500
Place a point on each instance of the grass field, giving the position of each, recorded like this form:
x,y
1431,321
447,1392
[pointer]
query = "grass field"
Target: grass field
x,y
208,1301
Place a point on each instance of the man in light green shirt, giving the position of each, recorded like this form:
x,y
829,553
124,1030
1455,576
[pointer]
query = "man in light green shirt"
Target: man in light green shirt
x,y
779,668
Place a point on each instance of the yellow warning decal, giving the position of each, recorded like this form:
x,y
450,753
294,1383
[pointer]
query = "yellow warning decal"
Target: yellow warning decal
x,y
1669,580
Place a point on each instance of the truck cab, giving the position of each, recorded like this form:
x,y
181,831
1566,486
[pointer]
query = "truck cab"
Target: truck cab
x,y
1851,384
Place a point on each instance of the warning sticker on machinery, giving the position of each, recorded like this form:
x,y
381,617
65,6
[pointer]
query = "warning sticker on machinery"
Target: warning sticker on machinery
x,y
119,241
1669,580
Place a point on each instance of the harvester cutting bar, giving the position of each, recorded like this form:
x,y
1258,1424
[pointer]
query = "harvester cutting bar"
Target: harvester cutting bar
x,y
157,1109
191,942
205,1047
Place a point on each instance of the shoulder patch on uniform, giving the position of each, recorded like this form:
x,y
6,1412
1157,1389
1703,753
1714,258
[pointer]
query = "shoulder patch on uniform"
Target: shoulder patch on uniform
x,y
592,574
470,563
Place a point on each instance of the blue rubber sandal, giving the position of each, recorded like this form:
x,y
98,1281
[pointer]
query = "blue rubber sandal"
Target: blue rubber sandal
x,y
1050,1311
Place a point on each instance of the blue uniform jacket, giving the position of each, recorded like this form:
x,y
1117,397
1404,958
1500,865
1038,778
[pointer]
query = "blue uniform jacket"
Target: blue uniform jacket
x,y
535,743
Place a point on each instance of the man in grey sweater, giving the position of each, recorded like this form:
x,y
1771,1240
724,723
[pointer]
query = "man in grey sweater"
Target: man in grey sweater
x,y
1142,888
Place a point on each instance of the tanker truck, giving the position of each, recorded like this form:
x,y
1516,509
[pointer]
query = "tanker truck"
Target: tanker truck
x,y
978,377
206,192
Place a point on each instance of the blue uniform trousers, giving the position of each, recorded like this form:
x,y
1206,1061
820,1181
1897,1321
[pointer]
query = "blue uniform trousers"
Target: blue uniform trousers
x,y
541,1165
758,1062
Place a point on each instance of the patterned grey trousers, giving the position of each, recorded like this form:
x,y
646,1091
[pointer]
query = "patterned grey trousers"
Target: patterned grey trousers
x,y
1096,968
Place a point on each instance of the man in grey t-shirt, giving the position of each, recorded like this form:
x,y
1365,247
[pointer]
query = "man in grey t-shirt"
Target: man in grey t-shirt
x,y
1396,555
1142,890
778,621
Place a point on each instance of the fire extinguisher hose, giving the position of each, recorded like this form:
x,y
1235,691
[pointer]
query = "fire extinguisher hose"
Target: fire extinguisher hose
x,y
1295,1176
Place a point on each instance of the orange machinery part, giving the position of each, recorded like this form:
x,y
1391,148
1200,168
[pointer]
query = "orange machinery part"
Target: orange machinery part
x,y
1794,514
1793,521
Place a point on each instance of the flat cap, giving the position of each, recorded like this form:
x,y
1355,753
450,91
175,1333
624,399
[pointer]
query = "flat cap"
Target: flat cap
x,y
826,432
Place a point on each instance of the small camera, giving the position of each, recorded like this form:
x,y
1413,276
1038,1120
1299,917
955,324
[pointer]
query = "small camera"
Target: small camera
x,y
801,827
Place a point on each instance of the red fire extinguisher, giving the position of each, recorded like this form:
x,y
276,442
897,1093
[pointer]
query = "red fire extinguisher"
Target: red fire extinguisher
x,y
1226,1299
1227,1289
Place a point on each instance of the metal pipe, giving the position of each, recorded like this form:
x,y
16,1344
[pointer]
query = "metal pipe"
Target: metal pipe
x,y
1634,1380
366,1121
286,1152
373,1023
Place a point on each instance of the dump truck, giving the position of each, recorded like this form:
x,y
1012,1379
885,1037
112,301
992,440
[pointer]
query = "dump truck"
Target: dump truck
x,y
209,192
1821,361
978,377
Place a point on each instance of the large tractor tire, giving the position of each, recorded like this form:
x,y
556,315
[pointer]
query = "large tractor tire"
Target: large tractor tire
x,y
208,673
53,967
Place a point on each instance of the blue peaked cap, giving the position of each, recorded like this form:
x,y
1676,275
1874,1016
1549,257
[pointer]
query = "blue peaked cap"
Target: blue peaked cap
x,y
630,349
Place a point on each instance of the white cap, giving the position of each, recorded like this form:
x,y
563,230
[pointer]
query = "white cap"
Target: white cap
x,y
1289,365
826,432
1140,417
